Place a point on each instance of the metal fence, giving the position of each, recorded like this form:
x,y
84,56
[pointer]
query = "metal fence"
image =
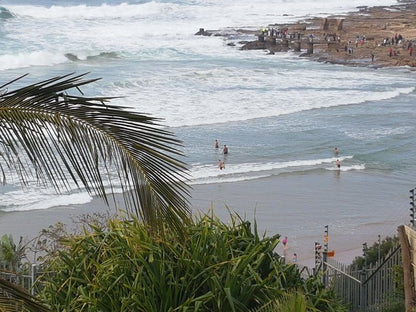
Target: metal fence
x,y
370,289
25,276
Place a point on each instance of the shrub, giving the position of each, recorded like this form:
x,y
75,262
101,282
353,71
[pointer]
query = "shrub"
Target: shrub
x,y
215,267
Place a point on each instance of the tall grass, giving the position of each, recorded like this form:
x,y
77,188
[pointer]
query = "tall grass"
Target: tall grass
x,y
214,267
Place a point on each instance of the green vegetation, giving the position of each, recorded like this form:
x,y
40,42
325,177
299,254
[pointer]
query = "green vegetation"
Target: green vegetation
x,y
11,255
371,255
216,267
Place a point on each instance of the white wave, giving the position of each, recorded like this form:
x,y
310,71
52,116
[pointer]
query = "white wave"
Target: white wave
x,y
141,29
27,59
38,201
210,173
230,11
378,133
123,10
230,96
347,168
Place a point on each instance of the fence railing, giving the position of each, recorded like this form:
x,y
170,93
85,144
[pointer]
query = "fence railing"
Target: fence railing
x,y
368,289
364,290
24,276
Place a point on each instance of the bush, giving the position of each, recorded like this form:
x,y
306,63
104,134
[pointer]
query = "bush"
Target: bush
x,y
216,267
386,245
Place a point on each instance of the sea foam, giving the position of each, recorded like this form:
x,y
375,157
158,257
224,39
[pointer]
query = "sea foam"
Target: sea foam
x,y
210,173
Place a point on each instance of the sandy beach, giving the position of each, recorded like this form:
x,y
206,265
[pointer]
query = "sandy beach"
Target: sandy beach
x,y
297,206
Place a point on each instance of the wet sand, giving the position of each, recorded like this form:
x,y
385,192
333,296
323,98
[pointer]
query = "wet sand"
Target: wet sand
x,y
356,206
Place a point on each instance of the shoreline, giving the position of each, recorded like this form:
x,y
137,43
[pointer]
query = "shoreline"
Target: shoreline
x,y
274,203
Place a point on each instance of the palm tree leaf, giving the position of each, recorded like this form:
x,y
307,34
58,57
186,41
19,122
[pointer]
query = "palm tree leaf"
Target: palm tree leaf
x,y
56,138
14,298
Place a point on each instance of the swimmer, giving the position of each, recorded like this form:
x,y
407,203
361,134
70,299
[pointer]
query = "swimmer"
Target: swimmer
x,y
338,163
221,164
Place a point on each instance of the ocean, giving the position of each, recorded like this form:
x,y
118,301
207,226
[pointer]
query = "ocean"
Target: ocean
x,y
280,115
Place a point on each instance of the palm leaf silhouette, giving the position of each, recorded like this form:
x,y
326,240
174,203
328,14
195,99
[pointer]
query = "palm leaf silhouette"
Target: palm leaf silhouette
x,y
52,137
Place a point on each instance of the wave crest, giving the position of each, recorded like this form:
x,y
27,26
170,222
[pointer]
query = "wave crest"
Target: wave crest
x,y
5,13
209,173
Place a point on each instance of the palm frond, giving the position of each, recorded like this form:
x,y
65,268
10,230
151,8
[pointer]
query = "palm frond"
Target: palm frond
x,y
51,136
16,299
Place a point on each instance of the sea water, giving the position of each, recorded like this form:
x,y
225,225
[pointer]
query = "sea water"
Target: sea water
x,y
278,114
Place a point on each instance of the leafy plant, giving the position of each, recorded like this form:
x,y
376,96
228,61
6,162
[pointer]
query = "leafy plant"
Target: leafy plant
x,y
11,254
293,301
214,267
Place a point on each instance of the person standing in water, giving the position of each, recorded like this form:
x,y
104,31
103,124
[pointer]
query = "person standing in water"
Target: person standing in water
x,y
336,151
338,163
221,164
216,144
225,150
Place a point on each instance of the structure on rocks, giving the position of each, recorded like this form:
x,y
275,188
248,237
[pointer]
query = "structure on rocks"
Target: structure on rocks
x,y
373,36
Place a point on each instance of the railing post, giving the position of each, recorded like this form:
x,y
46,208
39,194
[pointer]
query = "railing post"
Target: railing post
x,y
325,257
318,259
363,292
309,49
33,278
412,208
324,268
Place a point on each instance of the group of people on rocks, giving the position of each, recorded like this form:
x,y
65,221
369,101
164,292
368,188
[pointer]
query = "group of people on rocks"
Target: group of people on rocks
x,y
396,40
280,33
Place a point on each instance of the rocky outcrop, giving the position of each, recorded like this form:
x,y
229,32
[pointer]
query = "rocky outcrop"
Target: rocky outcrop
x,y
203,32
358,38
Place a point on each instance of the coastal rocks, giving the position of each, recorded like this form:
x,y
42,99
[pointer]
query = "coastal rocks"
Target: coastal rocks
x,y
356,39
203,32
254,45
264,45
